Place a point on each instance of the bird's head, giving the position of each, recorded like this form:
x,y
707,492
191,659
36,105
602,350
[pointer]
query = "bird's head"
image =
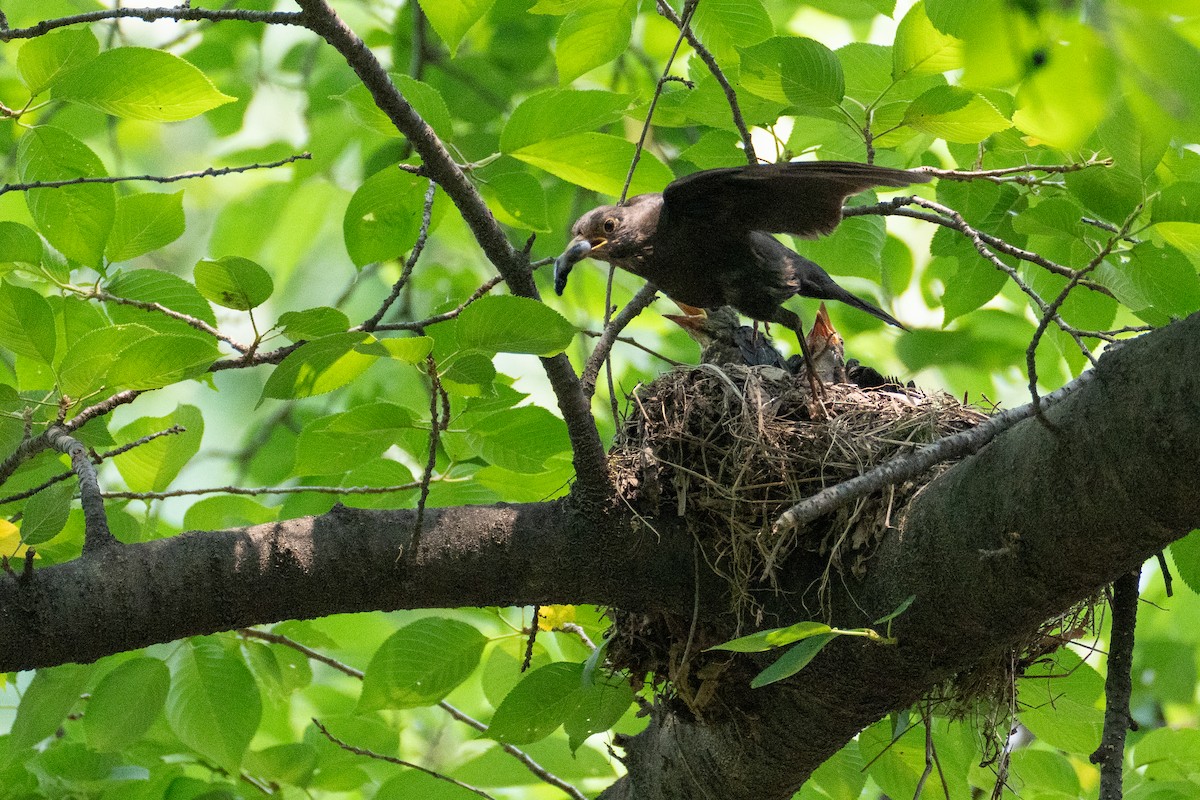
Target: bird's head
x,y
616,234
708,327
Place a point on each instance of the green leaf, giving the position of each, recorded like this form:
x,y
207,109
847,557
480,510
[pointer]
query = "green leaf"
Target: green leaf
x,y
76,218
506,324
596,161
85,366
955,114
556,113
410,349
793,70
542,701
338,443
468,369
517,199
1062,103
45,514
46,59
162,360
164,288
593,34
139,83
1185,553
319,366
1164,277
152,466
973,283
793,660
453,18
1167,754
599,706
521,439
1176,217
292,764
900,609
226,511
19,243
420,664
774,637
424,99
313,323
47,700
921,49
1058,699
383,218
27,323
725,25
213,705
125,704
144,223
233,282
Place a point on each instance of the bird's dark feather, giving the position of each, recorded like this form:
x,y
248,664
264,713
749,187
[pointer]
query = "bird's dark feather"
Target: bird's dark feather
x,y
803,198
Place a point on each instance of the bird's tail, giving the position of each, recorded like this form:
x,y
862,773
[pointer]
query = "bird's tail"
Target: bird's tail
x,y
812,281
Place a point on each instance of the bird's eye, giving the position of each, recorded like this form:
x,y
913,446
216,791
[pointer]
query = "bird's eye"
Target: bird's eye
x,y
610,225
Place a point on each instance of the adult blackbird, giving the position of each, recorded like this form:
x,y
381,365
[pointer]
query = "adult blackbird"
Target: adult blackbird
x,y
705,241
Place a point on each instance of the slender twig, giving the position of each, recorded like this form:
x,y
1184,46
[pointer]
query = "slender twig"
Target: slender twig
x,y
187,319
359,751
899,469
436,426
152,14
183,176
897,207
635,343
1017,175
709,61
426,217
688,10
265,490
591,369
534,767
1110,755
486,287
96,534
101,457
1051,312
531,639
928,758
1168,583
31,446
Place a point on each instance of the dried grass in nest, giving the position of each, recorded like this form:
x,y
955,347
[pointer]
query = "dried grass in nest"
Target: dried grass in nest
x,y
729,448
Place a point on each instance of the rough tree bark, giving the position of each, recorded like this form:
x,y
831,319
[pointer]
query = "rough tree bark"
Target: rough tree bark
x,y
1037,521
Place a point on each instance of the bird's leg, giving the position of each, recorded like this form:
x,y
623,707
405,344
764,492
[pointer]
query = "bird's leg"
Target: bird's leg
x,y
789,319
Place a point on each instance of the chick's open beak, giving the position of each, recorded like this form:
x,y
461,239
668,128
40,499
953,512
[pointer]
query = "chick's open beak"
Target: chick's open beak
x,y
576,251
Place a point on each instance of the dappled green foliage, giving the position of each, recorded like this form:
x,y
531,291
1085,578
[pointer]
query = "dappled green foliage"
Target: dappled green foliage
x,y
226,312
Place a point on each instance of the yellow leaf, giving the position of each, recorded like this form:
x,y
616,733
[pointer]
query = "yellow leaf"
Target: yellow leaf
x,y
10,541
551,617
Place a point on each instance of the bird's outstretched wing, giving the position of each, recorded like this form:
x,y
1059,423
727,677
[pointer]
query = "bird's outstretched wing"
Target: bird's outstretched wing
x,y
803,198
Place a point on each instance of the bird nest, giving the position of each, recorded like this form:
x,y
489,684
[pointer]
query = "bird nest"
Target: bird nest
x,y
729,448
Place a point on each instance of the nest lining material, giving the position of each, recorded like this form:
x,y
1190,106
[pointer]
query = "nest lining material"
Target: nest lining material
x,y
730,447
